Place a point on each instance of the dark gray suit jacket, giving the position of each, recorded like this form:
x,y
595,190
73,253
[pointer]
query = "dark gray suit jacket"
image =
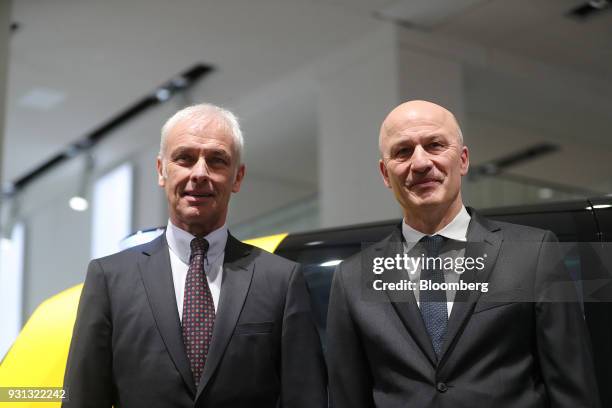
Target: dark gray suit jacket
x,y
127,348
522,348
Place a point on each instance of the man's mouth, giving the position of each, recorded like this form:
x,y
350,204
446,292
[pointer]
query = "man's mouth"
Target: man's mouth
x,y
424,183
198,195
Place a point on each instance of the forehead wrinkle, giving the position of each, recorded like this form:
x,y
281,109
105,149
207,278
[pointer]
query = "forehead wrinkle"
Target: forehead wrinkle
x,y
208,147
392,135
405,118
201,126
199,129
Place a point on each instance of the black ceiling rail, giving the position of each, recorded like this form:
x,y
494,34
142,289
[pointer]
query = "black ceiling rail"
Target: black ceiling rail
x,y
179,83
589,9
499,165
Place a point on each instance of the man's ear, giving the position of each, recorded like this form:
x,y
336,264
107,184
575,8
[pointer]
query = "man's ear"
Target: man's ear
x,y
238,179
161,180
384,173
465,160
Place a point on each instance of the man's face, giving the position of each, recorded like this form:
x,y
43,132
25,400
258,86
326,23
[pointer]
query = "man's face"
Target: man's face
x,y
423,157
199,170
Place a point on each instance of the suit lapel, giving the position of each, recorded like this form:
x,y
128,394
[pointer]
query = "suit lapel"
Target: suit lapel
x,y
404,303
156,273
237,275
481,240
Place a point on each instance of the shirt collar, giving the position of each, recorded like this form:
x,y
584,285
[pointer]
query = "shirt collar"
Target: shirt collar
x,y
455,230
179,242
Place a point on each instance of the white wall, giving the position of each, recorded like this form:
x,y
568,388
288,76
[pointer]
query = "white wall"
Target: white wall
x,y
358,87
5,7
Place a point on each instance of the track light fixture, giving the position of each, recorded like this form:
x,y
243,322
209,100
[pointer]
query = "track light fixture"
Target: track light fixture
x,y
80,202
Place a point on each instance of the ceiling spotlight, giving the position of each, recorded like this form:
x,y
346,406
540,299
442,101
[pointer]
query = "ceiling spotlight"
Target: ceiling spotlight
x,y
78,203
179,82
599,4
162,94
72,151
8,189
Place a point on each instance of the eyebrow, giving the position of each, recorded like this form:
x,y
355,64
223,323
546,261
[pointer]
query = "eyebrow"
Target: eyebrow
x,y
186,149
180,150
219,152
426,138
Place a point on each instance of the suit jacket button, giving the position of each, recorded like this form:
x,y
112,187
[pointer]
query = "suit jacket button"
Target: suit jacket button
x,y
441,387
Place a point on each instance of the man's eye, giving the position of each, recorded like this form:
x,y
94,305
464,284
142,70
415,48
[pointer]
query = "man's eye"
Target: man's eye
x,y
404,152
218,160
435,145
183,159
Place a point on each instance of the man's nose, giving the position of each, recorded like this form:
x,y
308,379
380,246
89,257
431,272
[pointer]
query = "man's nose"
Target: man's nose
x,y
421,162
199,170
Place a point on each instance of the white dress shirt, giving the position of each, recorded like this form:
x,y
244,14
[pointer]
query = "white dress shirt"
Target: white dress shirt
x,y
179,242
455,230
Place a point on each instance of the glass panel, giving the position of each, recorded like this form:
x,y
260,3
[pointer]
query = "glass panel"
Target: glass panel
x,y
111,211
11,287
507,190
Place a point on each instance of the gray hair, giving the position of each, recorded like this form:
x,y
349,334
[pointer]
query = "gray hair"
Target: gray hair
x,y
459,132
205,112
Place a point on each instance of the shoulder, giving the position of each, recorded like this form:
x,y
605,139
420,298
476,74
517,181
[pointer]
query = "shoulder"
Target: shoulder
x,y
131,256
264,257
513,232
355,267
264,263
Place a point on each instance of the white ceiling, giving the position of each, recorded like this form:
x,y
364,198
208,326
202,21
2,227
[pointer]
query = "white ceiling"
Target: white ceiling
x,y
100,56
103,55
539,29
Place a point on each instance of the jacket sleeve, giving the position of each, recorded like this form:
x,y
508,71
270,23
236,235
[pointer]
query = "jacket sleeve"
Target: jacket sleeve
x,y
350,380
303,373
563,343
88,377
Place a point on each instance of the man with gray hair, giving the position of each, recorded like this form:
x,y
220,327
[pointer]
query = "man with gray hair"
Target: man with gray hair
x,y
196,317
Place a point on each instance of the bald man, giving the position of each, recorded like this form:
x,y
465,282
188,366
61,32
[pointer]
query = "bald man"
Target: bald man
x,y
452,309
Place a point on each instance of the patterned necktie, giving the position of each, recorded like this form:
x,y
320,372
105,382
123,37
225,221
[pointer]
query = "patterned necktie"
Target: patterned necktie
x,y
198,310
433,302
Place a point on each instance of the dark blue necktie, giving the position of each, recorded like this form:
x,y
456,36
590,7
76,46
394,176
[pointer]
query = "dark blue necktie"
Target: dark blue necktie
x,y
433,302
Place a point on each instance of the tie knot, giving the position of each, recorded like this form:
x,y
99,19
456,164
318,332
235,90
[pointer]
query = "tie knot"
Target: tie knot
x,y
433,244
199,246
